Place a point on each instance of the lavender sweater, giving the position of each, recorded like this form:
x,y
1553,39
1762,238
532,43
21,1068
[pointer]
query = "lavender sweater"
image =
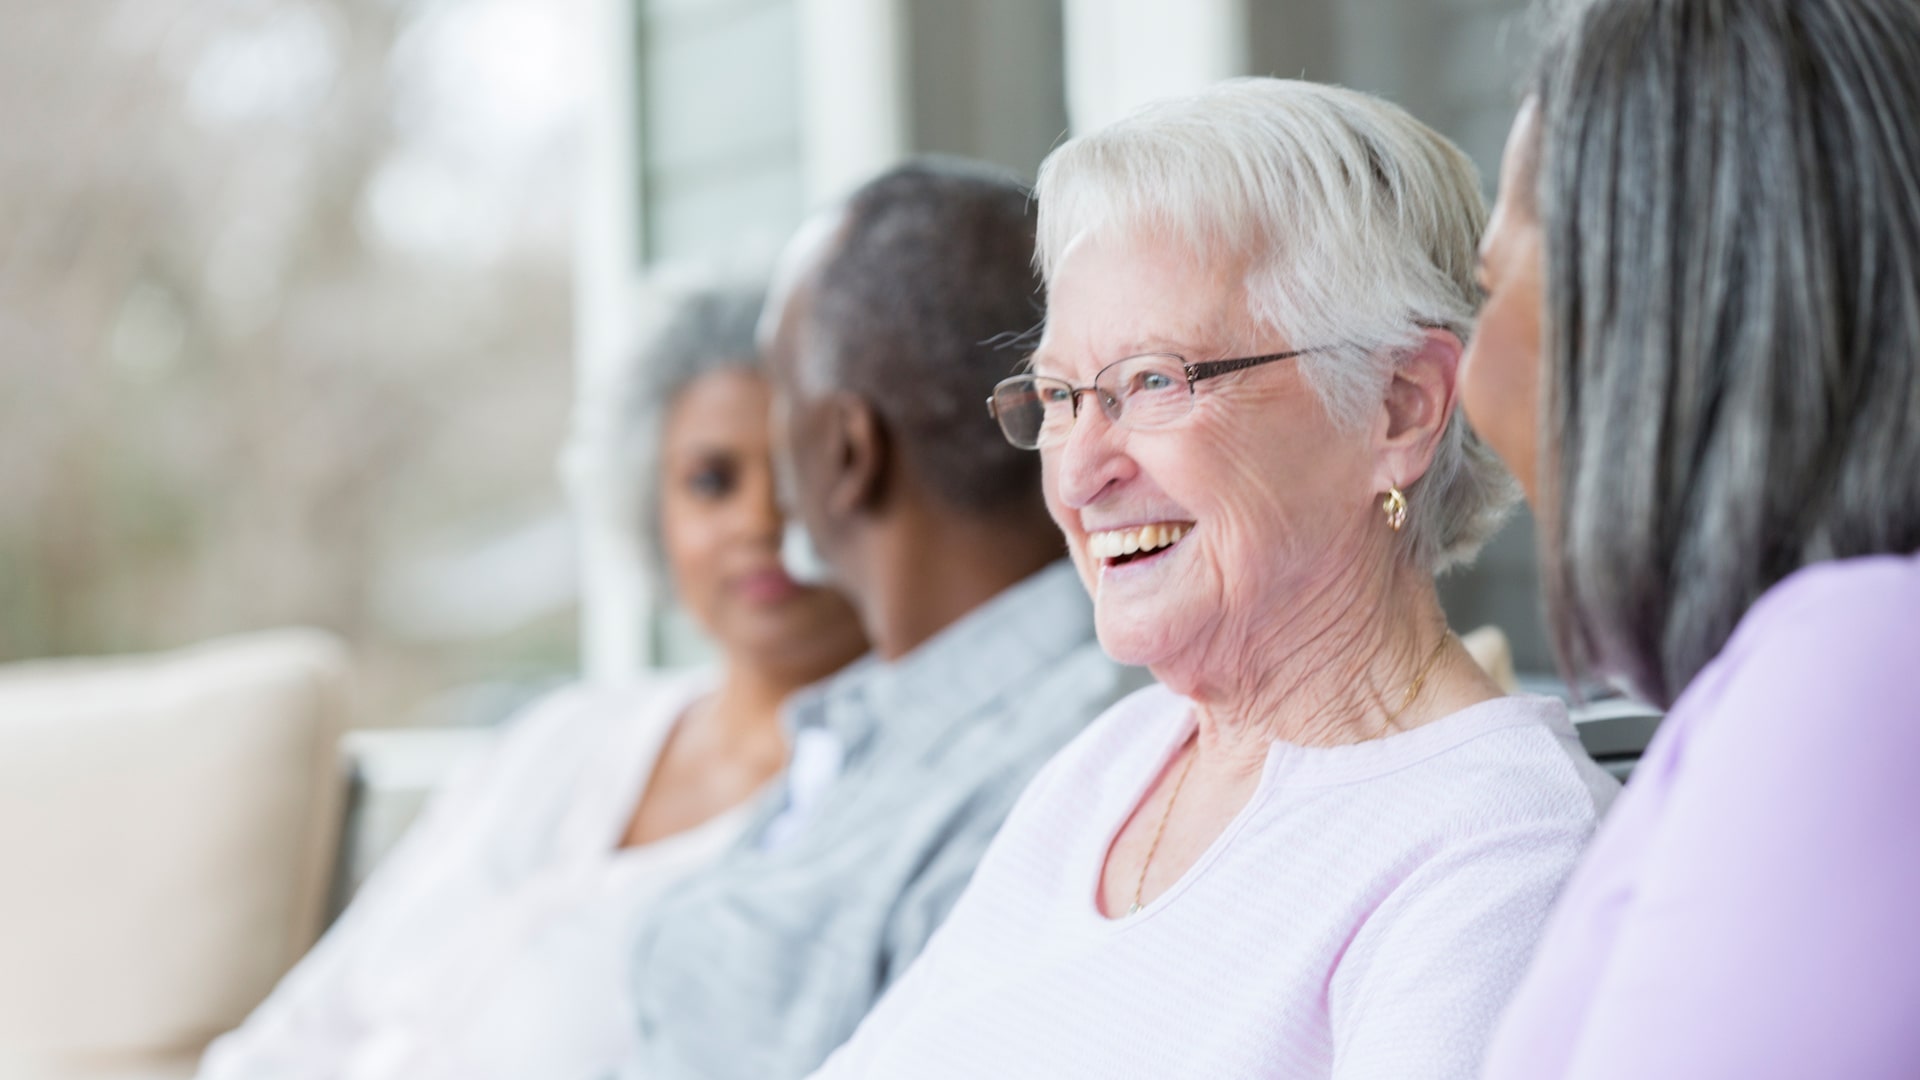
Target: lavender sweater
x,y
1751,909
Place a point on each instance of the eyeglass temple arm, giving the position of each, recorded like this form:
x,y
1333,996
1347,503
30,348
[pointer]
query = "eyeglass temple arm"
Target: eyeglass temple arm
x,y
1196,372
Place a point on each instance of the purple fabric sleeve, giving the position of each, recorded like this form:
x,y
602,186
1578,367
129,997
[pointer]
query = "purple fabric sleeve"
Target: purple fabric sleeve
x,y
1774,922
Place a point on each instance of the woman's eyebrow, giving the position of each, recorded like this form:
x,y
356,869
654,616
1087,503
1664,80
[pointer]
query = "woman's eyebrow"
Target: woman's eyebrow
x,y
1036,362
699,453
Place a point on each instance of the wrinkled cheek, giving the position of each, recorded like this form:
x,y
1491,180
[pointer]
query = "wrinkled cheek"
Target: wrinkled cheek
x,y
1050,489
1265,509
1255,532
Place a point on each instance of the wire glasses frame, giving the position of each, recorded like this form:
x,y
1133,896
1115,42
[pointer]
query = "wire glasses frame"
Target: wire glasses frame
x,y
1138,392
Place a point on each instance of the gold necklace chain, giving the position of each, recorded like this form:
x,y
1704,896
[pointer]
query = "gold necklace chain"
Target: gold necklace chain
x,y
1419,680
1140,886
1413,691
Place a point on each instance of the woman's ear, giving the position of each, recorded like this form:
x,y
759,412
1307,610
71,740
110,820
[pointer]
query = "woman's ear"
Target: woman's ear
x,y
1420,399
859,450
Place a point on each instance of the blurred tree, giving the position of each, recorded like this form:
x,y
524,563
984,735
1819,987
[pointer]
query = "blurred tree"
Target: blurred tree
x,y
284,307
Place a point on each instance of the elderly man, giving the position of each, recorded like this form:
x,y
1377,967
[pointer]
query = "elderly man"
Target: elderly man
x,y
882,345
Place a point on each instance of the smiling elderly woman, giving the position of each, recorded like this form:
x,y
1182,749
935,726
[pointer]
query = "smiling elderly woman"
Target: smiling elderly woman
x,y
1325,845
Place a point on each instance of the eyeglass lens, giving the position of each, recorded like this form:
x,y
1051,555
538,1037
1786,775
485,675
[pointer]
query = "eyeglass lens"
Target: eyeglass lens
x,y
1138,392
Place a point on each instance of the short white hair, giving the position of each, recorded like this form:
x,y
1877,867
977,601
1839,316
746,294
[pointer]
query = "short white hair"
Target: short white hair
x,y
1358,225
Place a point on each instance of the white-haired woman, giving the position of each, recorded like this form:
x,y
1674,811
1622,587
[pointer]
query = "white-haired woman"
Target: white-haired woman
x,y
1325,845
493,944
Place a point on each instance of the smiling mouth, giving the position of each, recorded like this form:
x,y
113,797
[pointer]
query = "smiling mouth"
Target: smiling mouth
x,y
768,586
1118,547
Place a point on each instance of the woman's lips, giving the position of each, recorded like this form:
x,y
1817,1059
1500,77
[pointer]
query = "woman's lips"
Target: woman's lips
x,y
769,586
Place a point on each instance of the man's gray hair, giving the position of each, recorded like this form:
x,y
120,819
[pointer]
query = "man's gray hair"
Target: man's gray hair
x,y
688,327
1730,197
1358,225
929,278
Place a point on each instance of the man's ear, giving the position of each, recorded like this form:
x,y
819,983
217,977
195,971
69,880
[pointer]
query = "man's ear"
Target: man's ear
x,y
1419,401
860,451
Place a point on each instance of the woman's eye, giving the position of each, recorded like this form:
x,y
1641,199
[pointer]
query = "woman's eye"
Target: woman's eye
x,y
1150,381
711,481
1054,395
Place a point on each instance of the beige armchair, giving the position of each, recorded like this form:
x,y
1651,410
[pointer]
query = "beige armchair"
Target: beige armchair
x,y
167,824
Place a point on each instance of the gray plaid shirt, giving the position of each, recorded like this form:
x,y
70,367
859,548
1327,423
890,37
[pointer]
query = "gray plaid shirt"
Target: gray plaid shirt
x,y
760,966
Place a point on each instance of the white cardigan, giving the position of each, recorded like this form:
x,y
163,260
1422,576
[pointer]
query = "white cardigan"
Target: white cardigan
x,y
494,942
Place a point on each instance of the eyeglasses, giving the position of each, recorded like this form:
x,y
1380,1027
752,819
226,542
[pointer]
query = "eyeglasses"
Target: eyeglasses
x,y
1139,392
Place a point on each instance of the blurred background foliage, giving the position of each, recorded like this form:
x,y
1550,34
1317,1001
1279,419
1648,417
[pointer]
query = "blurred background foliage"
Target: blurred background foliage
x,y
296,296
285,330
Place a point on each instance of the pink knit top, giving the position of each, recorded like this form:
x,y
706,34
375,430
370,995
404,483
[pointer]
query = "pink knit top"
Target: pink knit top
x,y
1367,914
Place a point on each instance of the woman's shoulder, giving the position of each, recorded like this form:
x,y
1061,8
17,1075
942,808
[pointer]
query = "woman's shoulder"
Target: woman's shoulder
x,y
569,741
1836,637
1514,731
1507,762
1817,675
1541,745
1845,612
574,721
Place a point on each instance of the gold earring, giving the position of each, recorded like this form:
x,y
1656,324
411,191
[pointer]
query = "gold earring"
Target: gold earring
x,y
1395,508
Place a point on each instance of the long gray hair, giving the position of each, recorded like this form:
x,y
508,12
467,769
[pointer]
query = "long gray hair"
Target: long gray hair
x,y
1730,192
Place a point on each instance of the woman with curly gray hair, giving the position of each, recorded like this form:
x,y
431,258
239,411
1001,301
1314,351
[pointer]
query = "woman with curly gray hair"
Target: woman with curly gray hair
x,y
493,944
1324,845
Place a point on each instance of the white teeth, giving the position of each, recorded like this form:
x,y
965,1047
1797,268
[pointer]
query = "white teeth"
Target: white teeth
x,y
1113,543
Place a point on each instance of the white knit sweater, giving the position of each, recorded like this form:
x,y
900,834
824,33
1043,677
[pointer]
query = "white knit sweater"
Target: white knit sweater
x,y
1367,914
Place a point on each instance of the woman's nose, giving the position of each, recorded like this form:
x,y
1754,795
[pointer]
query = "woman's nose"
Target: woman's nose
x,y
758,514
1091,459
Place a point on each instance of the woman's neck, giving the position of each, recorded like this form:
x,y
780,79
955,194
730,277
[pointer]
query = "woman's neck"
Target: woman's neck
x,y
745,708
1336,670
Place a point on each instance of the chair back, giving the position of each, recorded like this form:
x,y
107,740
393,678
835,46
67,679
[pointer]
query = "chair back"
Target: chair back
x,y
167,824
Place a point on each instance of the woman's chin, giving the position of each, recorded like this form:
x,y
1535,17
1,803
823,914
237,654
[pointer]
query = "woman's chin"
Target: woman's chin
x,y
1139,639
803,631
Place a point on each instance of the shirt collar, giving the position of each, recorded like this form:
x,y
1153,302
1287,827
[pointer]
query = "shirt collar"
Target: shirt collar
x,y
986,654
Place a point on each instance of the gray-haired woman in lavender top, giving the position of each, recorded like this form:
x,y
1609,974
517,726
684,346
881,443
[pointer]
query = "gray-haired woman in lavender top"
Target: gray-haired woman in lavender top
x,y
1324,846
1701,353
